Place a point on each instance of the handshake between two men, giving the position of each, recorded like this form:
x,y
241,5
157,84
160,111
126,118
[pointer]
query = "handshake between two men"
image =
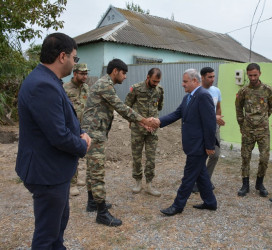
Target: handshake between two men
x,y
150,124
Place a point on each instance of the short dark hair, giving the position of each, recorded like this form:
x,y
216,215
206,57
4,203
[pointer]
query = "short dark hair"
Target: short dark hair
x,y
252,66
54,44
153,71
118,64
206,70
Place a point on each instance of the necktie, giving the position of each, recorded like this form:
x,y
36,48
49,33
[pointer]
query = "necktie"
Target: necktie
x,y
188,99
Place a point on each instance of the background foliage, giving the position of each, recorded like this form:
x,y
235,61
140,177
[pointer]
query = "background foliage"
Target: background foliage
x,y
21,21
136,7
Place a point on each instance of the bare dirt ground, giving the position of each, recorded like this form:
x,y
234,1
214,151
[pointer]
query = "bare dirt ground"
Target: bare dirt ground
x,y
238,223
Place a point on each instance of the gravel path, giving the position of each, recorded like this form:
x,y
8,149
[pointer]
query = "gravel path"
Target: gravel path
x,y
238,223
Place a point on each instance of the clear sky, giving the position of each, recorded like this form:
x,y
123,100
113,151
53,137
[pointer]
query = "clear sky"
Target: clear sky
x,y
223,16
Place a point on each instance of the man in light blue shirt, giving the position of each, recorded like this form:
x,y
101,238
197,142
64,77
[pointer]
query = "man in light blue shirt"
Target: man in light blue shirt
x,y
207,79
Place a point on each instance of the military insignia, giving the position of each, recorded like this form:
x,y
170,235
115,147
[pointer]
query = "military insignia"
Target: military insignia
x,y
156,104
237,96
261,100
84,97
130,89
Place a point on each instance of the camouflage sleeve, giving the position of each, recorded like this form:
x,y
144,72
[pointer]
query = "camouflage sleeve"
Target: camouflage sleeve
x,y
239,105
67,91
74,100
131,97
160,105
72,97
270,102
126,112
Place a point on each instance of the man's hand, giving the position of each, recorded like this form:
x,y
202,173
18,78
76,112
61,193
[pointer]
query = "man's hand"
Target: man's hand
x,y
210,152
149,129
151,122
155,122
219,120
88,139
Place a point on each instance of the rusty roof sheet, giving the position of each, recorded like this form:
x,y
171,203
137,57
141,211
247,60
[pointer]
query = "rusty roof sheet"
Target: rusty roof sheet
x,y
160,33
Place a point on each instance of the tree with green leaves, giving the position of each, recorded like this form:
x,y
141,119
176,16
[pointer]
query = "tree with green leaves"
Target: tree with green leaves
x,y
136,7
22,16
32,54
21,21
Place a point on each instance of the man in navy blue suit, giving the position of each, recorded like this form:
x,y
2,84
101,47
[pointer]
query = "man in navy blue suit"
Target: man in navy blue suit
x,y
50,140
198,141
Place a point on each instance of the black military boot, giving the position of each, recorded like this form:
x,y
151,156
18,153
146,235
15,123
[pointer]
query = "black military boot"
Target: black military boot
x,y
259,186
91,204
245,188
104,216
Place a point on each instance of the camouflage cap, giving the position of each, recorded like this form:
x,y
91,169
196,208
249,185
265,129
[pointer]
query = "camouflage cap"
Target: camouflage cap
x,y
81,67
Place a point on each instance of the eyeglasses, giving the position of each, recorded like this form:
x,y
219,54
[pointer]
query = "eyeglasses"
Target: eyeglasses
x,y
76,59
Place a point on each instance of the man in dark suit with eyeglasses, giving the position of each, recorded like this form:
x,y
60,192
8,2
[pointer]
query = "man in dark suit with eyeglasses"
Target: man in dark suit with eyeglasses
x,y
50,140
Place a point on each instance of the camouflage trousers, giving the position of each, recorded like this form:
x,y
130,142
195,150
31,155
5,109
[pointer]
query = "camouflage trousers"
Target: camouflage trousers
x,y
249,139
138,141
95,171
74,178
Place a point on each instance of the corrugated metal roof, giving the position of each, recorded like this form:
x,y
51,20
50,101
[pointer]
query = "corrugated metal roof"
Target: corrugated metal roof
x,y
160,33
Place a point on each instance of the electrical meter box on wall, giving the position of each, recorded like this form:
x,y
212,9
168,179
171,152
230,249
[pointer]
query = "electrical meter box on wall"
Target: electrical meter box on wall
x,y
239,77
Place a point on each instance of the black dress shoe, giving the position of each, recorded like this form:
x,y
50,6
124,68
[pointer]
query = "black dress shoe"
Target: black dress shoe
x,y
205,206
170,211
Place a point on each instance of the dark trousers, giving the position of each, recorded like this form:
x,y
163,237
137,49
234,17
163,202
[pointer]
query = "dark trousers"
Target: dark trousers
x,y
195,171
51,211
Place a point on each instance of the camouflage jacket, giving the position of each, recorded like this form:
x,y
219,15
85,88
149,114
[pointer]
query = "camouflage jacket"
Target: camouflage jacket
x,y
101,103
146,101
254,106
78,96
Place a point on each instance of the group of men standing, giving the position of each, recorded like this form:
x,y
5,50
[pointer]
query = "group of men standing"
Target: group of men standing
x,y
51,139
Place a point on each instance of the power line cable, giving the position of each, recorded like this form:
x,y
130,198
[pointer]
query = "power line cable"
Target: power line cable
x,y
258,20
250,32
267,19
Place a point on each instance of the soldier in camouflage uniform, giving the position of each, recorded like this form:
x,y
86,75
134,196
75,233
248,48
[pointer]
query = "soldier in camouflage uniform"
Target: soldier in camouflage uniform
x,y
253,108
97,119
146,98
77,91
